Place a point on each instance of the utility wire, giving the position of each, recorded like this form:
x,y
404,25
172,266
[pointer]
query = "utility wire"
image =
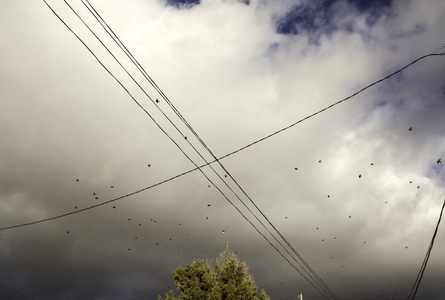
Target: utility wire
x,y
116,39
416,285
229,154
181,151
216,160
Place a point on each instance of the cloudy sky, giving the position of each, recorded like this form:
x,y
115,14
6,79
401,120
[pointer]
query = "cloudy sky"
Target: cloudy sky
x,y
360,210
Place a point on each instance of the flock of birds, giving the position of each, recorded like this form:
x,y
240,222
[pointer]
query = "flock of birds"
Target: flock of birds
x,y
157,243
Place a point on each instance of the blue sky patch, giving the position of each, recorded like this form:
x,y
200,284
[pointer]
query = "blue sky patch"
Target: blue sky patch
x,y
183,3
316,18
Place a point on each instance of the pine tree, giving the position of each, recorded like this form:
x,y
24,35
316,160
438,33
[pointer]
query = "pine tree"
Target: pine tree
x,y
227,279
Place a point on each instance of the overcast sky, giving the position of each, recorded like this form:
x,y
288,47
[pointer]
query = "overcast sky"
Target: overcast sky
x,y
361,209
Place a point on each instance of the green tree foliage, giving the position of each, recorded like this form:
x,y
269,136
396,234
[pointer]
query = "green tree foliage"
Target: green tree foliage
x,y
226,279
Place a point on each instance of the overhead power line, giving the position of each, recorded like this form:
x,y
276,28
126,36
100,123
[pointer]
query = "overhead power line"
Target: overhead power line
x,y
324,293
229,154
416,285
216,159
122,46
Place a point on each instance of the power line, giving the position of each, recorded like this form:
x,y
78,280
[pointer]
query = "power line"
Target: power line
x,y
178,147
216,159
151,81
425,261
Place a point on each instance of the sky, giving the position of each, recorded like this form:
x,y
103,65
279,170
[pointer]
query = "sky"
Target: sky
x,y
355,189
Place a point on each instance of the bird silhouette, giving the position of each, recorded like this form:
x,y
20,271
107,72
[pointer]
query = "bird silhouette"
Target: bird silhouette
x,y
372,164
149,165
157,100
360,176
112,186
77,179
410,129
329,196
296,169
439,161
319,161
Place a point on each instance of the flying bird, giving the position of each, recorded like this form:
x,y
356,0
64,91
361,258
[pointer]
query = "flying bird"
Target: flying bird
x,y
77,179
439,161
149,165
112,186
360,176
372,164
319,161
410,129
208,205
296,169
114,207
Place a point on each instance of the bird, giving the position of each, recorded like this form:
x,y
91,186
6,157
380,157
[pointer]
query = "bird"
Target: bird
x,y
372,164
418,186
75,207
208,205
406,247
285,217
322,240
317,228
319,161
140,224
149,165
296,169
77,179
112,186
157,100
96,198
439,161
136,237
349,217
329,196
94,194
185,137
114,207
223,231
360,176
157,244
335,237
209,185
67,231
410,129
